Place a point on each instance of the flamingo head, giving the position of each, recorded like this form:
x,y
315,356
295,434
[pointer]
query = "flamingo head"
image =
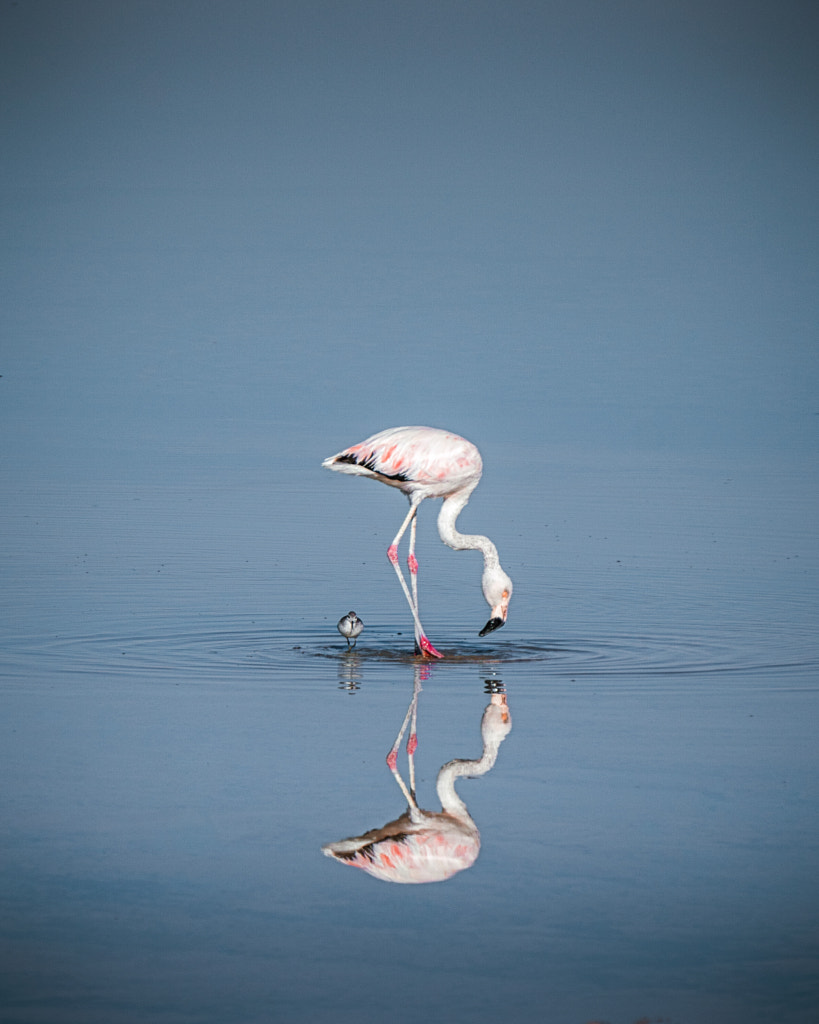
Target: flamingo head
x,y
497,589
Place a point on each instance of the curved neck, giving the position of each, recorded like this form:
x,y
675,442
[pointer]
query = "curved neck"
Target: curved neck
x,y
445,785
451,509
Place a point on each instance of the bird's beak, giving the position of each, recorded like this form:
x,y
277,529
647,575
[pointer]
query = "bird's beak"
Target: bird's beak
x,y
499,613
494,623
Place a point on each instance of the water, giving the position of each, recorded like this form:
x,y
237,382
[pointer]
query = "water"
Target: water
x,y
184,729
235,244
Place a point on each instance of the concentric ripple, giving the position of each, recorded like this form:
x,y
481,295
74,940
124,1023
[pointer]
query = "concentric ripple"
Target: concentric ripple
x,y
228,653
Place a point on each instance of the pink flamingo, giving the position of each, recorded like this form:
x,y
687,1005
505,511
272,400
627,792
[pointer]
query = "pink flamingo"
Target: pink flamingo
x,y
427,846
425,462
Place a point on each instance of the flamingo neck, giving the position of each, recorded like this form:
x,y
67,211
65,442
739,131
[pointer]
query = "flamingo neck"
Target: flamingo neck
x,y
453,770
450,510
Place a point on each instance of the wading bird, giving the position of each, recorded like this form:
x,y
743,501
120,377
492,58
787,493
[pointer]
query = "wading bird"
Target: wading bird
x,y
425,462
350,625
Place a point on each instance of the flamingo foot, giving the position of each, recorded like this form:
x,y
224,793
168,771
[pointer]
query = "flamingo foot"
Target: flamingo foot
x,y
427,650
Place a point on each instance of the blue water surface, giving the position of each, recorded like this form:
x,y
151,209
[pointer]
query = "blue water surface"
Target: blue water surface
x,y
238,238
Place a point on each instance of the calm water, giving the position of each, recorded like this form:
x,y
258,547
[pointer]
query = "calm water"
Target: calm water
x,y
238,238
183,729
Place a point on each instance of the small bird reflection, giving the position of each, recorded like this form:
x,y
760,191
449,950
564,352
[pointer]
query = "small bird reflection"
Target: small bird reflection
x,y
350,627
427,846
349,671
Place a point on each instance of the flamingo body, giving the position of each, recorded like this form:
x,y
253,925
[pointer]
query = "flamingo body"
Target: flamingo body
x,y
421,461
425,462
432,849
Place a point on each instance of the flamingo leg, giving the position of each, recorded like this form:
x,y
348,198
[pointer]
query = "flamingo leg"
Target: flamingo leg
x,y
412,562
412,743
421,641
412,739
412,565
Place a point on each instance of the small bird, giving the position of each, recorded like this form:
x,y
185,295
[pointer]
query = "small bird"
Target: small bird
x,y
350,626
425,462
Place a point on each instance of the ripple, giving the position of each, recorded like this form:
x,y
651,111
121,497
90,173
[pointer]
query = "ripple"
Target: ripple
x,y
203,653
619,654
227,653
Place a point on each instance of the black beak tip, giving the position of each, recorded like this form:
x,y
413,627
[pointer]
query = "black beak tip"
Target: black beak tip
x,y
495,623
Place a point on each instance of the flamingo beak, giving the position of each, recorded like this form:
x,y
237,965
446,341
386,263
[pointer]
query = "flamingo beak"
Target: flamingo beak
x,y
499,613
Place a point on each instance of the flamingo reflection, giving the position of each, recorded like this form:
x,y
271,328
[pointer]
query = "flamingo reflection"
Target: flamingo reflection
x,y
427,846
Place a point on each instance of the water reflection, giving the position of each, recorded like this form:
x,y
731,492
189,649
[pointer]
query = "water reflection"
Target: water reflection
x,y
349,671
428,846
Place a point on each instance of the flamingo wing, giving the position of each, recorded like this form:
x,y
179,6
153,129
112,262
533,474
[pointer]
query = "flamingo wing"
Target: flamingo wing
x,y
413,455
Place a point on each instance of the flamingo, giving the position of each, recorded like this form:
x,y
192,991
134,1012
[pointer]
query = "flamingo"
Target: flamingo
x,y
425,462
427,846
